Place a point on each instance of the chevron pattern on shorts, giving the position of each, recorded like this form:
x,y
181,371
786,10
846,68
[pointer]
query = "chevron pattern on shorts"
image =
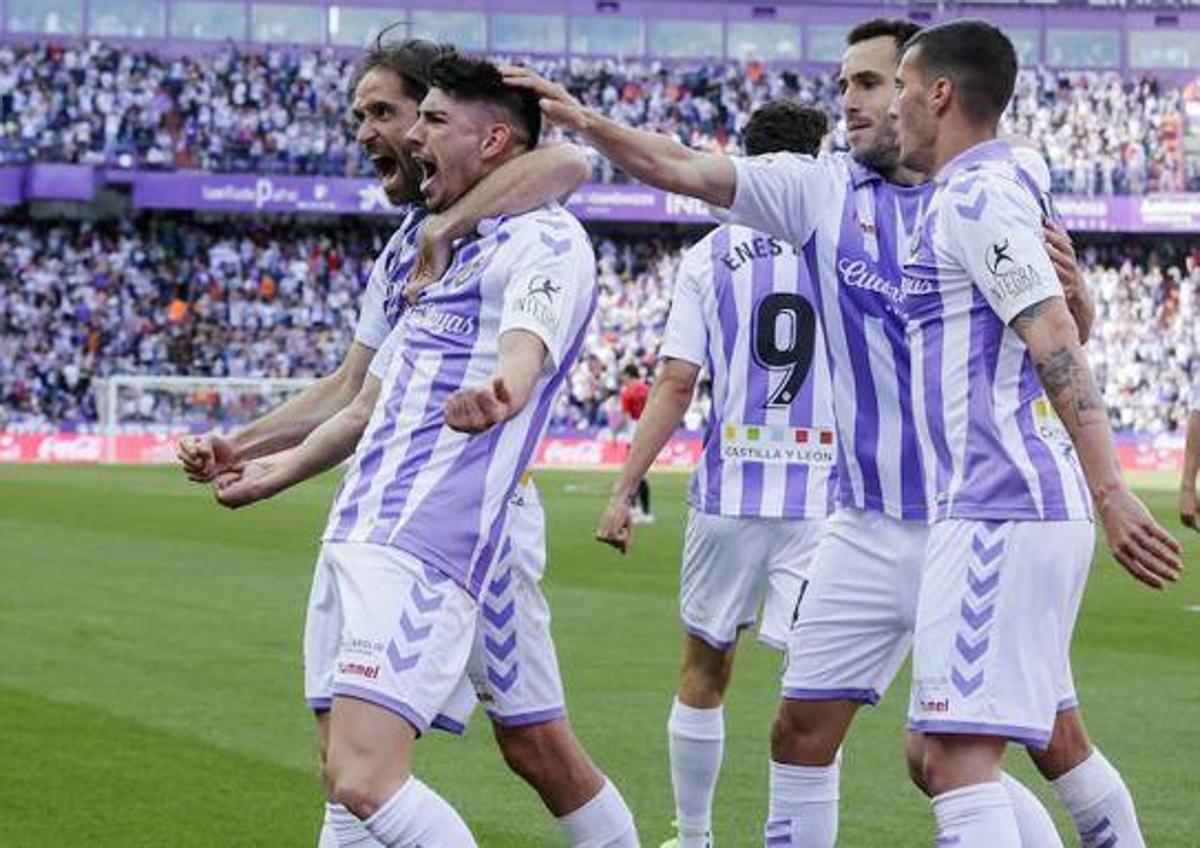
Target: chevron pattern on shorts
x,y
978,608
499,628
404,649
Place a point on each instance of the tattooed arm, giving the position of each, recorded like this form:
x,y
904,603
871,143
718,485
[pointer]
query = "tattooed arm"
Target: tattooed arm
x,y
1144,548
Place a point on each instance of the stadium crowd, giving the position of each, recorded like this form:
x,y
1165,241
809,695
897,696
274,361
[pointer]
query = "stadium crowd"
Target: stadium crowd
x,y
284,111
166,295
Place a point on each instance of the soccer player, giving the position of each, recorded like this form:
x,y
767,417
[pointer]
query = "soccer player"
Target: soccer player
x,y
1191,458
856,217
526,706
464,386
634,393
742,306
1012,486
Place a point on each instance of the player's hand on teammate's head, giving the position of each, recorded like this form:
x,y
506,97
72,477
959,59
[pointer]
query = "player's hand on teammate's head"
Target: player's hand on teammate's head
x,y
1145,549
479,409
204,457
434,251
1188,514
615,527
242,485
557,104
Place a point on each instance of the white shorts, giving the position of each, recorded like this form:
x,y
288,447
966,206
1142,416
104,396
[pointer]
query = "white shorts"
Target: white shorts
x,y
513,668
385,629
854,623
997,609
731,566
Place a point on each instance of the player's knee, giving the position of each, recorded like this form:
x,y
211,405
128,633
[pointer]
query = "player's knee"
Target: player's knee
x,y
802,735
352,785
914,755
1069,746
527,751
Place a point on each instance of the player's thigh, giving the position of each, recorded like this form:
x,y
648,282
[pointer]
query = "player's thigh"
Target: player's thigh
x,y
793,545
514,664
853,624
406,636
995,619
722,576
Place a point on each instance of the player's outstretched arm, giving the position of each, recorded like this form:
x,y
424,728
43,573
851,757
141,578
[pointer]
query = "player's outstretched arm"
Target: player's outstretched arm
x,y
1145,549
285,426
506,392
1079,300
668,402
652,158
327,445
1188,513
521,184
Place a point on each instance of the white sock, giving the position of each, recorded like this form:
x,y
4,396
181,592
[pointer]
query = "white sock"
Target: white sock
x,y
978,816
803,807
417,817
603,822
327,838
1033,822
1100,804
696,740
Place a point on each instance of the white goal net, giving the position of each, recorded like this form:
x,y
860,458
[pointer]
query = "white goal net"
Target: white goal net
x,y
132,408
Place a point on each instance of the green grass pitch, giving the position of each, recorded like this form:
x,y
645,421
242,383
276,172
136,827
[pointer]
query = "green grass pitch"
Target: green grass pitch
x,y
150,688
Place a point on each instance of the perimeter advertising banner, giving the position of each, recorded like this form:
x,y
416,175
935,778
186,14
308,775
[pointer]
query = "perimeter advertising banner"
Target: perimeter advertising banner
x,y
1136,453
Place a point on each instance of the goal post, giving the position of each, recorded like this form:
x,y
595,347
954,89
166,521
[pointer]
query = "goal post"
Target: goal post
x,y
136,406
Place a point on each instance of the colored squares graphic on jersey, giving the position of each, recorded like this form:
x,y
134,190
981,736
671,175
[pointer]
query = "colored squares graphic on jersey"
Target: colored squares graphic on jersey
x,y
731,432
802,437
827,437
752,434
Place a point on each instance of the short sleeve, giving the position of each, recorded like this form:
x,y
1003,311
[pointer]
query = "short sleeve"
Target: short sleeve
x,y
373,325
686,335
551,283
383,356
781,194
995,231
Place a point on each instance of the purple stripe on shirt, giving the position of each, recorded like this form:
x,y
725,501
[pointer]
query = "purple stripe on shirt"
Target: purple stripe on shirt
x,y
758,381
372,458
989,474
840,488
1054,499
913,506
727,316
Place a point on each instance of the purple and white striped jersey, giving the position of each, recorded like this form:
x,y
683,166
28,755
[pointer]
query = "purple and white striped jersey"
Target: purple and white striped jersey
x,y
743,309
414,483
383,299
996,450
854,230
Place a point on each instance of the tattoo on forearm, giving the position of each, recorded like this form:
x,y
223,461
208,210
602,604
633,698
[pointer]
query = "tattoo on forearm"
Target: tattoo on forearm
x,y
1068,381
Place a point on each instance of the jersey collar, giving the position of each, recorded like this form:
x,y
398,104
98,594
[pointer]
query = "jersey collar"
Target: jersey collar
x,y
860,174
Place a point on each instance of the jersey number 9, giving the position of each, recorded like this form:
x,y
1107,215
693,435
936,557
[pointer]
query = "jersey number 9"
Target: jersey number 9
x,y
784,336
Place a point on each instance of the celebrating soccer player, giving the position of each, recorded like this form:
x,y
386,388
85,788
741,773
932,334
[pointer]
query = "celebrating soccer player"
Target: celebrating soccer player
x,y
513,653
857,215
1013,485
764,484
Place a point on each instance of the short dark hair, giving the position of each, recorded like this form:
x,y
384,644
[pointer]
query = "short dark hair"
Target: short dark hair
x,y
978,57
898,29
632,371
409,58
477,80
784,125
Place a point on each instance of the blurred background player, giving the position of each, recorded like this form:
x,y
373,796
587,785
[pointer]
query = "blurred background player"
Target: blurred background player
x,y
634,392
1014,486
1191,456
764,484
